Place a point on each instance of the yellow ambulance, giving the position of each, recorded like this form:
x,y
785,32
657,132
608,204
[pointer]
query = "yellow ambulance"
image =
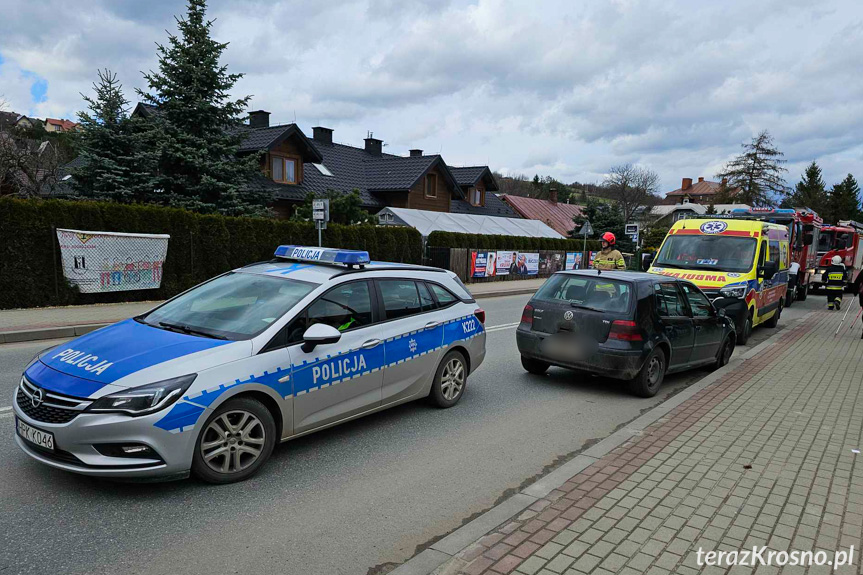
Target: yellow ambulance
x,y
742,265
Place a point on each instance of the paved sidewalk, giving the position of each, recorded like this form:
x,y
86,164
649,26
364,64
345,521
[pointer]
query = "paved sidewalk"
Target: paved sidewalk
x,y
761,457
69,321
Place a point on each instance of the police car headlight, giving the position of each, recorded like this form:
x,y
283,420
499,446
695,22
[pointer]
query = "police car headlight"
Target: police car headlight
x,y
733,291
145,399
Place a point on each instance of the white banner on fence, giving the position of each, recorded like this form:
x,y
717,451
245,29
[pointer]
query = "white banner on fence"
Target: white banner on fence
x,y
99,262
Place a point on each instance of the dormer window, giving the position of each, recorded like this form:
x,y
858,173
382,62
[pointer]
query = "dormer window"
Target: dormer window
x,y
476,196
283,169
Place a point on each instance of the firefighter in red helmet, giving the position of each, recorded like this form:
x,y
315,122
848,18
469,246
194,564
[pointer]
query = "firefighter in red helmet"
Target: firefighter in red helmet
x,y
609,258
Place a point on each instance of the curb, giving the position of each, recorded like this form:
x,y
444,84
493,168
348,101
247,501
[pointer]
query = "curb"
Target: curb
x,y
76,330
447,548
48,332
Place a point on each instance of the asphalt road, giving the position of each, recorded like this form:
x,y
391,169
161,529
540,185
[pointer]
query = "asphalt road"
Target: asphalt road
x,y
353,499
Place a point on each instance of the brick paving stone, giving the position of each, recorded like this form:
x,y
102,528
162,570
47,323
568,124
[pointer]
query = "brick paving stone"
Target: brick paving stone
x,y
792,414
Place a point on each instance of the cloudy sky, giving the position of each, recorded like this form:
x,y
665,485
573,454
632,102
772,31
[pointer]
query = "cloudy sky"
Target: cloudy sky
x,y
560,87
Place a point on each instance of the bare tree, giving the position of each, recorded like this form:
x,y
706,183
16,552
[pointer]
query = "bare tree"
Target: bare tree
x,y
28,167
633,187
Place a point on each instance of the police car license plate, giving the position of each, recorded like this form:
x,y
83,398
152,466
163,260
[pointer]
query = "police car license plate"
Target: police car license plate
x,y
43,439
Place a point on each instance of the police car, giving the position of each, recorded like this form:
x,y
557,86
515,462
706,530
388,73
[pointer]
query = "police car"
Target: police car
x,y
212,379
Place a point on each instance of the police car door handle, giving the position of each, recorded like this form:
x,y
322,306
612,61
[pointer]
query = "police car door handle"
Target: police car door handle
x,y
432,325
371,343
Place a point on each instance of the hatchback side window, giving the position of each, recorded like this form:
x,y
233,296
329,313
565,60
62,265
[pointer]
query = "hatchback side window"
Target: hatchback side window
x,y
698,303
443,295
401,298
659,298
673,301
346,306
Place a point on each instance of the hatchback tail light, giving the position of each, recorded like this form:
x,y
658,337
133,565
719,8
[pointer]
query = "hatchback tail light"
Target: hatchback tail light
x,y
480,315
527,315
625,330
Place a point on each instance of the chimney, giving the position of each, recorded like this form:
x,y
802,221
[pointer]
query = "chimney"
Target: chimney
x,y
552,195
259,119
373,145
687,183
416,152
322,135
700,179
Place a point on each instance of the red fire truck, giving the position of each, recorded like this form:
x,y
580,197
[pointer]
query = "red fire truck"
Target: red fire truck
x,y
843,240
804,229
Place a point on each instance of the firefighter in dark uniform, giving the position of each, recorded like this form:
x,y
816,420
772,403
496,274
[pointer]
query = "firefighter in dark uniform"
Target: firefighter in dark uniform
x,y
835,283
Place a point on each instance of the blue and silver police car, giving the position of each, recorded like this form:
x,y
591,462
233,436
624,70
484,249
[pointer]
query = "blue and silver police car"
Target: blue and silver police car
x,y
211,380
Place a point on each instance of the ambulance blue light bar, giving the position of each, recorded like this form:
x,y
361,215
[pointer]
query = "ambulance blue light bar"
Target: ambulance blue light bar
x,y
323,255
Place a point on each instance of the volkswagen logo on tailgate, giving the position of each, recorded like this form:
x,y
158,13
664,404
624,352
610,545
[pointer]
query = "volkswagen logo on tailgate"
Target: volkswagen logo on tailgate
x,y
38,397
567,316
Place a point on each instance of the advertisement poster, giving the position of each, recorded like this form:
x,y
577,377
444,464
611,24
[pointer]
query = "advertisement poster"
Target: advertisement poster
x,y
99,262
478,264
505,261
573,260
490,263
527,264
592,256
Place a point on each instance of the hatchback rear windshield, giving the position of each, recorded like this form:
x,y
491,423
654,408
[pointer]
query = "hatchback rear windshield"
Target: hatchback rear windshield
x,y
591,292
233,306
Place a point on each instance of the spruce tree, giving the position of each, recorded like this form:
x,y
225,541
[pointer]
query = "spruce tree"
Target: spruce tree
x,y
809,192
844,201
115,164
757,172
197,126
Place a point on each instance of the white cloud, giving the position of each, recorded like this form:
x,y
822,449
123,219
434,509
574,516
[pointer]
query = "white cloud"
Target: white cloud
x,y
560,87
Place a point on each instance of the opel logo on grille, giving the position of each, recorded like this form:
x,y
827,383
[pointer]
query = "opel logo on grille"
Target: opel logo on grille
x,y
38,397
567,316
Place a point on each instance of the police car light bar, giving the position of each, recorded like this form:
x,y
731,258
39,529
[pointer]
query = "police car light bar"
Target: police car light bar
x,y
323,255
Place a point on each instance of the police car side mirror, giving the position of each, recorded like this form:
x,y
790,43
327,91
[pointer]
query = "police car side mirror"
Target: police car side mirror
x,y
319,334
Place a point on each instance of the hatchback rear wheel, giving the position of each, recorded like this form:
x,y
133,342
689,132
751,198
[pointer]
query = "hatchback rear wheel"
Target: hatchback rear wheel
x,y
534,366
648,380
235,442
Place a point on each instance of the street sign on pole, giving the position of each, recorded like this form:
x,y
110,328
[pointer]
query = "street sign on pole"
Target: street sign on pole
x,y
320,215
586,230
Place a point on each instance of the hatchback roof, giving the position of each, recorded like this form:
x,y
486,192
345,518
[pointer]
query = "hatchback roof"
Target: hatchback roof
x,y
630,276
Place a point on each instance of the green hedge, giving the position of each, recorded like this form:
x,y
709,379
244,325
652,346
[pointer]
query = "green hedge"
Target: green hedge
x,y
200,246
481,241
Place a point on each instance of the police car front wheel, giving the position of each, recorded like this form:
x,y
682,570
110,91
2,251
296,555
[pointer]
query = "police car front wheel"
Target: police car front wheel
x,y
234,442
450,380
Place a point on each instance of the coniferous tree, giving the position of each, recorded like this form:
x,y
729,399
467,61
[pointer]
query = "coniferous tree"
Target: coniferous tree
x,y
116,163
809,192
197,125
844,201
757,172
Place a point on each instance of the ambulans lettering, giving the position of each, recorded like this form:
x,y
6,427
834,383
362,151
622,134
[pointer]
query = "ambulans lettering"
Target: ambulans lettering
x,y
338,369
88,362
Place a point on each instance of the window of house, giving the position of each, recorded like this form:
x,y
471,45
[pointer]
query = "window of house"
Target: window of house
x,y
476,196
431,186
283,169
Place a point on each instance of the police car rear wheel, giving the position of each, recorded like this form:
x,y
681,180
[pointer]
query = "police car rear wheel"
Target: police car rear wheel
x,y
450,380
235,442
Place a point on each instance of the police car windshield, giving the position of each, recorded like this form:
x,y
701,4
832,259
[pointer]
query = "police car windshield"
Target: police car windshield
x,y
233,306
720,253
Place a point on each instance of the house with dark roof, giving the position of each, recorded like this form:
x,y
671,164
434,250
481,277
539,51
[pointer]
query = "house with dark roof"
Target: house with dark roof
x,y
559,216
700,192
293,165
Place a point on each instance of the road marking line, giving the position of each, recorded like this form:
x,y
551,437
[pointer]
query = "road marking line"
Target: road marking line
x,y
502,327
7,408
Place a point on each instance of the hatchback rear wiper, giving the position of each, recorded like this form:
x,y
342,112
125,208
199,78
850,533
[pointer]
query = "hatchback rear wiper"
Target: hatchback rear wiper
x,y
580,306
189,330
